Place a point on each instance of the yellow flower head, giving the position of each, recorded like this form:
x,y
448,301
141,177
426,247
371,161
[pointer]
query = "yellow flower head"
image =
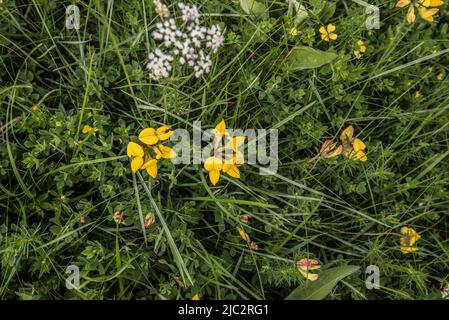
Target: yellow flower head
x,y
327,33
196,297
151,136
361,49
353,148
89,130
418,94
294,32
305,265
225,158
426,8
408,239
164,152
244,235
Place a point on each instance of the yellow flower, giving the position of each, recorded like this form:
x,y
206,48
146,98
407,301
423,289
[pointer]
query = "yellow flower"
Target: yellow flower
x,y
196,297
244,235
294,32
304,265
230,167
440,76
135,151
88,129
164,152
223,160
214,165
361,49
151,136
418,94
327,32
353,148
220,130
151,167
408,239
426,8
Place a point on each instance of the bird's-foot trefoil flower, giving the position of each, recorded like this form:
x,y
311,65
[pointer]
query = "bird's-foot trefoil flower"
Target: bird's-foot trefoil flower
x,y
426,9
353,147
329,149
146,154
224,159
408,240
305,265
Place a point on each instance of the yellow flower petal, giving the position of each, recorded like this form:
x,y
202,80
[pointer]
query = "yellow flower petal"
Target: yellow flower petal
x,y
196,297
213,163
323,31
431,3
331,28
158,152
167,152
244,235
148,136
164,133
436,3
134,150
136,164
214,176
358,145
360,155
357,54
406,250
220,129
427,14
346,135
232,170
402,3
151,167
411,15
333,36
87,129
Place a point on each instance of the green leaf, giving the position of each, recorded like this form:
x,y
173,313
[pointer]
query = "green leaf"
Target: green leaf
x,y
328,11
317,5
303,57
320,288
253,7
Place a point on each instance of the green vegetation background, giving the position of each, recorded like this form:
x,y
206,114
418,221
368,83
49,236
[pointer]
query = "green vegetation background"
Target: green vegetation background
x,y
53,81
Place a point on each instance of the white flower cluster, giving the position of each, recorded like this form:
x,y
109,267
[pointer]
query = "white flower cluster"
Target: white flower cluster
x,y
188,43
159,64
